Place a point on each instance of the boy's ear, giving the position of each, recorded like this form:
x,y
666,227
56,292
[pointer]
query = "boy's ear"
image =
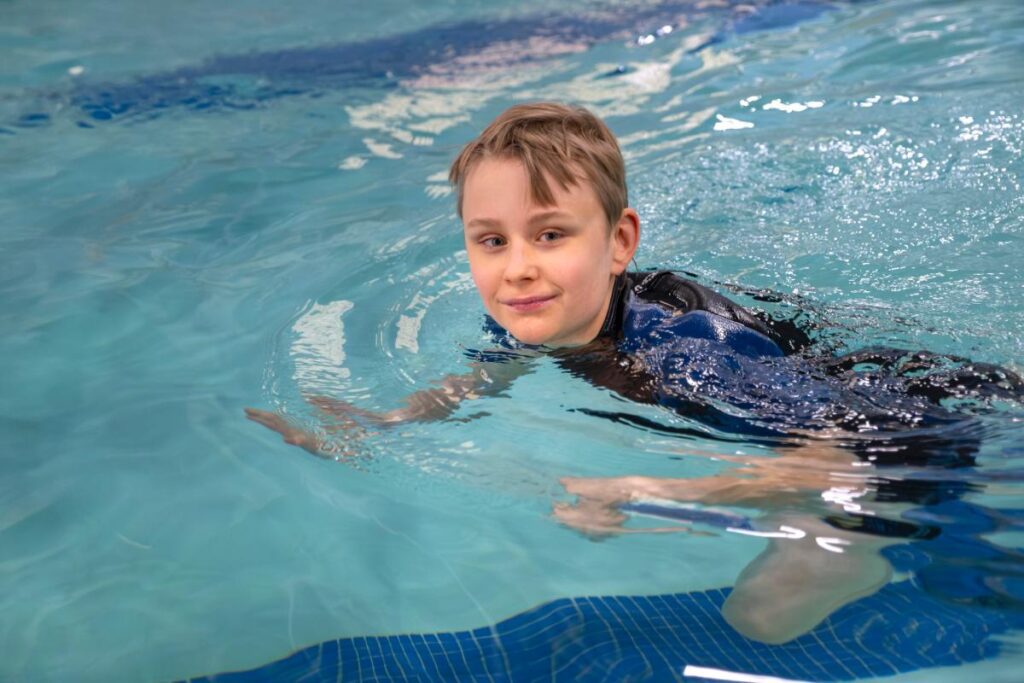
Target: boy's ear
x,y
625,239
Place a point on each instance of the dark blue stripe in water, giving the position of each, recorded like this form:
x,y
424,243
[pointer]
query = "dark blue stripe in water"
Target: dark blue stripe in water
x,y
897,630
247,81
719,518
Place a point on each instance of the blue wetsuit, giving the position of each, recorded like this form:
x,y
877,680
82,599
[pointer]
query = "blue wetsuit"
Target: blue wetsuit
x,y
654,309
747,378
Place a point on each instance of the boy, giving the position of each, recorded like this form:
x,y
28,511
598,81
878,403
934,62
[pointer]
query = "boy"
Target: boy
x,y
549,235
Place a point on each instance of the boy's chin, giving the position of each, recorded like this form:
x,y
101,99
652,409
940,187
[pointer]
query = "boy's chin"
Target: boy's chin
x,y
538,332
531,336
541,338
531,339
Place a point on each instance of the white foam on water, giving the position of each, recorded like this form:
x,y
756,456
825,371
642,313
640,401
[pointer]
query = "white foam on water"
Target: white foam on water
x,y
319,348
725,123
409,323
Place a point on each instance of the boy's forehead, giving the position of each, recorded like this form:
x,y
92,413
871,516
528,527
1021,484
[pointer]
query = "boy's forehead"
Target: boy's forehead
x,y
515,165
504,178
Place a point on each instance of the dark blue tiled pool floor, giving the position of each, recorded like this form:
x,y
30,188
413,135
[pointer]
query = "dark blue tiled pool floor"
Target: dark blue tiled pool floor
x,y
655,638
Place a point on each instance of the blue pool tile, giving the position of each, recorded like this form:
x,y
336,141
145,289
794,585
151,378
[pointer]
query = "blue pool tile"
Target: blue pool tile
x,y
897,630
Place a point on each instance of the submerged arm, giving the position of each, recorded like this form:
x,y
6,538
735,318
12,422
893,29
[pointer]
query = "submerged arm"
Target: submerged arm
x,y
426,405
435,403
809,568
799,474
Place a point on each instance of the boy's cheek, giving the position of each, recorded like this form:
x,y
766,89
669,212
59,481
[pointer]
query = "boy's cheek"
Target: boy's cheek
x,y
478,277
485,269
483,290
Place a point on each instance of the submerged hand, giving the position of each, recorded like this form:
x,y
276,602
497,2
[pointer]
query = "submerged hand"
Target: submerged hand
x,y
590,518
596,512
280,424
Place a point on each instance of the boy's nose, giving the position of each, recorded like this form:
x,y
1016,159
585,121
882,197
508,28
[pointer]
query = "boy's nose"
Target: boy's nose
x,y
521,264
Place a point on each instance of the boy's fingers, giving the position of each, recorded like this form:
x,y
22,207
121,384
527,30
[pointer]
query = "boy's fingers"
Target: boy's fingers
x,y
275,422
589,514
571,517
263,417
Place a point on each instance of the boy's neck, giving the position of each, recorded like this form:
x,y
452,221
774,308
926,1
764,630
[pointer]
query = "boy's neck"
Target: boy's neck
x,y
613,313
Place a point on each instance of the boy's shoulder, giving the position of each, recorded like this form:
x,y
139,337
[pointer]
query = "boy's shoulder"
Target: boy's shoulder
x,y
668,292
684,295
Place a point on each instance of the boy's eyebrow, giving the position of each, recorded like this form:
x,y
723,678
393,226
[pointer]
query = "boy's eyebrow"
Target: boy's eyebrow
x,y
483,223
534,219
545,215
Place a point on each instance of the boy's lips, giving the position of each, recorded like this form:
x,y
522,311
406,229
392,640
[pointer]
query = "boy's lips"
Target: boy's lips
x,y
525,304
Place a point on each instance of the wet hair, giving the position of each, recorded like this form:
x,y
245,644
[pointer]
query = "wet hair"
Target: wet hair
x,y
553,141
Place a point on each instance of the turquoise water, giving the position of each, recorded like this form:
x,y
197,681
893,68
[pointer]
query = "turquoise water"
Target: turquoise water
x,y
170,266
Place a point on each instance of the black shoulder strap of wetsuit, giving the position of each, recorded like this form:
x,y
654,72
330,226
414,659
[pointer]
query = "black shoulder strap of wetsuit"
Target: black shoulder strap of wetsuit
x,y
679,294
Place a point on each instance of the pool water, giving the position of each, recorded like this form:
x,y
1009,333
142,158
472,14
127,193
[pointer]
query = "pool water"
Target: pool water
x,y
205,209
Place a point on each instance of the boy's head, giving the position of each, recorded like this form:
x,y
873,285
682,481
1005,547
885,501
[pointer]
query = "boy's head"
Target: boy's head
x,y
542,195
555,142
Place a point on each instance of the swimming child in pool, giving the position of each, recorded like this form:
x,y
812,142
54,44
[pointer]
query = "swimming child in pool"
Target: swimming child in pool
x,y
549,235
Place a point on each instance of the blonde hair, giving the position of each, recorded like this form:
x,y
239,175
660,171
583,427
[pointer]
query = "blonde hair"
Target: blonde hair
x,y
556,141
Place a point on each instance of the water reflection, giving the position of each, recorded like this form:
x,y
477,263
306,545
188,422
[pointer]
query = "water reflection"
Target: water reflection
x,y
865,445
827,519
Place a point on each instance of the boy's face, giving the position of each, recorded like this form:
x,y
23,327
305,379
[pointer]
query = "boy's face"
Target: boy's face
x,y
544,273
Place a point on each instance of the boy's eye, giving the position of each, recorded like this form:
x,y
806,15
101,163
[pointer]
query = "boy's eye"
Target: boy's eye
x,y
493,242
550,236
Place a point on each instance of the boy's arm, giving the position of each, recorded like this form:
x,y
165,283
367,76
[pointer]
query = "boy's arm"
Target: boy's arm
x,y
436,403
426,405
796,477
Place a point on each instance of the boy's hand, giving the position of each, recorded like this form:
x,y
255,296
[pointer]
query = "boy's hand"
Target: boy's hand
x,y
280,424
596,520
596,512
342,416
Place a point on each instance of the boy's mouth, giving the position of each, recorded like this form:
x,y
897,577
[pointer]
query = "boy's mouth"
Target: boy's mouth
x,y
526,304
